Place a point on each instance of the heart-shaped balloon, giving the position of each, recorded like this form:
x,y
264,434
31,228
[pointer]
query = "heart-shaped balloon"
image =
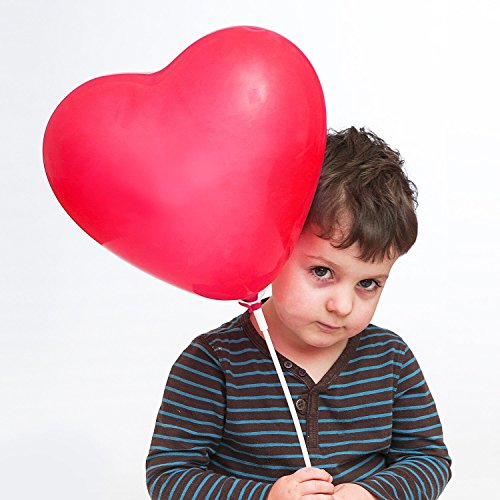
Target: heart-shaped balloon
x,y
201,174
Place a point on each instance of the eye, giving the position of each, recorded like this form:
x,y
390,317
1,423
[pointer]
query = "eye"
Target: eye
x,y
369,285
321,273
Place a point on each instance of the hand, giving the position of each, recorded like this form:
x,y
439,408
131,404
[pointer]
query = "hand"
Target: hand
x,y
350,491
308,483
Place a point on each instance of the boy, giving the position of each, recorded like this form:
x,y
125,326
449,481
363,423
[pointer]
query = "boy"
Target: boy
x,y
224,430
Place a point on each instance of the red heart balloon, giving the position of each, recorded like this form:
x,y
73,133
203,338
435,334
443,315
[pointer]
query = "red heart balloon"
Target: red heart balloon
x,y
201,174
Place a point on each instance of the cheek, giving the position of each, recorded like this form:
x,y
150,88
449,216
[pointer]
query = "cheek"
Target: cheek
x,y
290,297
287,300
365,312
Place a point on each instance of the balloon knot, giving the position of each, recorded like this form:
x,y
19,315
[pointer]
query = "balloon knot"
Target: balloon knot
x,y
251,306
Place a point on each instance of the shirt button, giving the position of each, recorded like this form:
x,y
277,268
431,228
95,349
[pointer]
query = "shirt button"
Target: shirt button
x,y
300,404
287,364
302,373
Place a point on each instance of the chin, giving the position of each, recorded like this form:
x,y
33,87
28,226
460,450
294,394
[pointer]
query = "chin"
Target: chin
x,y
323,343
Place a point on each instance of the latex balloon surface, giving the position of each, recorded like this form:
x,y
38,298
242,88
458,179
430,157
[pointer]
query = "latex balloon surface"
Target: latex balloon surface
x,y
201,174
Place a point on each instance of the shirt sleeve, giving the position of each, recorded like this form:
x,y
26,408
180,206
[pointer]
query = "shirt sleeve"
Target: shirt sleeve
x,y
418,461
188,431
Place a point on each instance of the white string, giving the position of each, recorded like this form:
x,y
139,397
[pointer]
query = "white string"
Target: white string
x,y
261,321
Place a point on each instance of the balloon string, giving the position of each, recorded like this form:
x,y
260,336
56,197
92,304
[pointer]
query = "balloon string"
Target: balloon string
x,y
256,308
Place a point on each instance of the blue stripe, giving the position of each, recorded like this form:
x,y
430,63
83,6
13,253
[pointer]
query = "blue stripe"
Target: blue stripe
x,y
351,442
357,466
422,429
241,351
252,398
194,384
189,431
375,356
197,422
192,396
355,431
207,477
358,394
264,491
172,475
357,407
438,465
363,381
378,344
415,407
436,437
271,372
417,395
412,472
257,410
371,489
224,340
177,484
197,372
170,464
259,422
414,419
185,440
253,489
373,367
192,408
429,479
241,497
255,464
383,479
399,478
206,351
408,363
413,387
385,334
296,456
214,485
354,419
236,472
198,359
266,445
262,433
252,386
411,375
249,362
236,481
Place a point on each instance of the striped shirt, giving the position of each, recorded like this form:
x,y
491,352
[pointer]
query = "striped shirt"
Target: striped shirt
x,y
224,430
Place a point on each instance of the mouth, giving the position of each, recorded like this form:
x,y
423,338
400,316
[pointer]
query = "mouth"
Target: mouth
x,y
327,327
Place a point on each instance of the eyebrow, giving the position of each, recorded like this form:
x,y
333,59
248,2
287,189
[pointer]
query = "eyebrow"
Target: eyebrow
x,y
335,266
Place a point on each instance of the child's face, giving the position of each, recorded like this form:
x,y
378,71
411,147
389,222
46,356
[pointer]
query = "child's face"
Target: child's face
x,y
324,295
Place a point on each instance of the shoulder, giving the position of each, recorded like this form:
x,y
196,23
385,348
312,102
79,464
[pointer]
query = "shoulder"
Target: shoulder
x,y
381,349
382,346
377,338
228,342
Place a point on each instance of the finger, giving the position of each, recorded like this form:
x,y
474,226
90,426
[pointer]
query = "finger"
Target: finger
x,y
308,473
315,486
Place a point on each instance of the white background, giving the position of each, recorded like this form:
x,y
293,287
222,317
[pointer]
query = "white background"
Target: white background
x,y
87,340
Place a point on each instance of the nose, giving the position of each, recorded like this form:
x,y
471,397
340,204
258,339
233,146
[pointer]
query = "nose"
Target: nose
x,y
340,302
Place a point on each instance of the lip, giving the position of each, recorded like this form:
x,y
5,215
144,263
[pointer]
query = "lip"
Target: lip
x,y
325,326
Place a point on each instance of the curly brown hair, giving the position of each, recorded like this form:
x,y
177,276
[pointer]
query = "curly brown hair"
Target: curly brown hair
x,y
364,191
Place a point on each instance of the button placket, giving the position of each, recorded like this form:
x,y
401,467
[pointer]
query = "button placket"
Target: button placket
x,y
312,421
